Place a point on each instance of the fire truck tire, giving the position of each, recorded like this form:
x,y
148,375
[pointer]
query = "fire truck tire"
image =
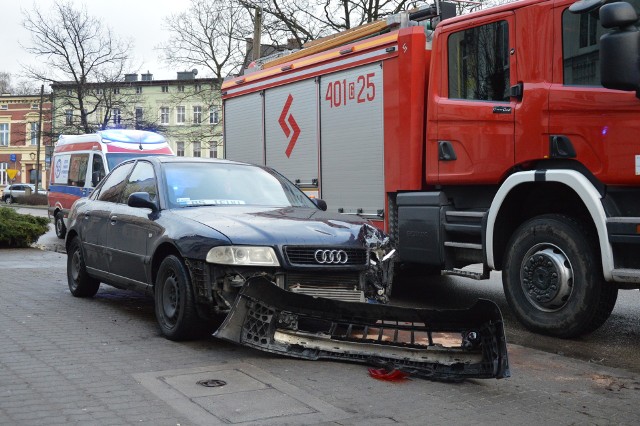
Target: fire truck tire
x,y
61,229
552,277
174,301
80,283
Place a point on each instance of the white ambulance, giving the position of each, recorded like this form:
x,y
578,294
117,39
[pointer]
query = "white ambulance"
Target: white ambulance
x,y
79,162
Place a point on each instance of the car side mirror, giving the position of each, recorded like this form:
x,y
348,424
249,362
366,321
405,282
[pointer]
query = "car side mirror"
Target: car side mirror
x,y
143,200
321,204
96,177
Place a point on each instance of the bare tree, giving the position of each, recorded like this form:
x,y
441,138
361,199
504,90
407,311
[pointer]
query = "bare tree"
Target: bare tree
x,y
76,49
210,35
5,82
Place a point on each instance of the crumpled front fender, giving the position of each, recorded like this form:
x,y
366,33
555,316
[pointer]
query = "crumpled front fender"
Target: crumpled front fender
x,y
450,344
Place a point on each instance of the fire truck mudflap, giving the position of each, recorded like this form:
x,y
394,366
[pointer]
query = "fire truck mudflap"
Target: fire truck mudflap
x,y
452,344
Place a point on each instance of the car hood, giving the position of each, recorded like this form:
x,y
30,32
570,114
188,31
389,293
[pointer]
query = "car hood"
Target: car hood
x,y
278,226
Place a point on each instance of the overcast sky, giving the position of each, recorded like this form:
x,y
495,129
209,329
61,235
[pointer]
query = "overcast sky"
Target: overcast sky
x,y
140,20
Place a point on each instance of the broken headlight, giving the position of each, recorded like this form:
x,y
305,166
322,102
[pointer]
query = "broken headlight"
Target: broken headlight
x,y
243,255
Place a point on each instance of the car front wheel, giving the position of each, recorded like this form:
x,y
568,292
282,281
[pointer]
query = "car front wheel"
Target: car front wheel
x,y
174,302
9,200
61,229
80,283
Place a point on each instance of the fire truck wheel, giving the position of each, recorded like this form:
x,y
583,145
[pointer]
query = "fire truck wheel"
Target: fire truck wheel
x,y
174,302
61,229
80,283
552,277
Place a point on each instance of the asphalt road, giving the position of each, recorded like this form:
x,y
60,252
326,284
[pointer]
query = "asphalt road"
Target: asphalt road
x,y
615,344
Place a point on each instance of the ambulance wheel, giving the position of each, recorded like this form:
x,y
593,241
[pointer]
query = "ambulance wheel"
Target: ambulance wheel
x,y
552,277
61,229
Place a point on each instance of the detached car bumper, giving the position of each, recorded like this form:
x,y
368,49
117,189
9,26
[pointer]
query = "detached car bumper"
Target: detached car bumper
x,y
436,344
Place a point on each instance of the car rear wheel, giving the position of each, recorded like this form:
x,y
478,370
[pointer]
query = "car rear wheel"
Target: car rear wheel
x,y
61,229
174,302
80,283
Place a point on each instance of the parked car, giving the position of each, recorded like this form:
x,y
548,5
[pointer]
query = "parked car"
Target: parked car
x,y
192,231
16,192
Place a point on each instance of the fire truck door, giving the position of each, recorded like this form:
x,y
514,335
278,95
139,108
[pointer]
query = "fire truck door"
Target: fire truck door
x,y
474,141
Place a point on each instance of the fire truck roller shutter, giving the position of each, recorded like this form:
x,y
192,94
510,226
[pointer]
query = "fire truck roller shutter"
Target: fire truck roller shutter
x,y
352,139
291,131
243,129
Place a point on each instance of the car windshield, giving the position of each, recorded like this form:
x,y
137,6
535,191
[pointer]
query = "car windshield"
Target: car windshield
x,y
224,184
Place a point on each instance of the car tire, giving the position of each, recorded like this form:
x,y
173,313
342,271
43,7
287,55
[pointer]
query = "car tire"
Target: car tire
x,y
9,199
552,277
174,302
61,229
80,283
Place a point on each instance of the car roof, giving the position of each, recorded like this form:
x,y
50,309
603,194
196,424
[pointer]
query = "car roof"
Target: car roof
x,y
175,159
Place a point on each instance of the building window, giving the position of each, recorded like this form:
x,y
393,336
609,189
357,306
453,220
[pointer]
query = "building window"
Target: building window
x,y
165,88
479,63
116,115
181,88
197,114
34,133
138,90
4,107
3,173
213,149
139,114
99,91
4,134
180,115
68,117
197,149
116,90
35,106
213,115
164,115
69,92
198,87
180,149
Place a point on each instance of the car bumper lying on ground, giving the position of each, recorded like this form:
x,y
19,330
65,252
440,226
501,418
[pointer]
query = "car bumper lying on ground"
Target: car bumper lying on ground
x,y
436,344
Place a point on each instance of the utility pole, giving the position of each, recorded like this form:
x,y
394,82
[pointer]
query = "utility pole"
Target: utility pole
x,y
39,139
257,34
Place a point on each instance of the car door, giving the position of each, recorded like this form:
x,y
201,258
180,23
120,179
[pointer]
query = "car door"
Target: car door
x,y
131,228
473,141
95,221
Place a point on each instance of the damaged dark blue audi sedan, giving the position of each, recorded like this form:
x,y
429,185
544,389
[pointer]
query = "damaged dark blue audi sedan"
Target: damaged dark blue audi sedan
x,y
209,239
192,231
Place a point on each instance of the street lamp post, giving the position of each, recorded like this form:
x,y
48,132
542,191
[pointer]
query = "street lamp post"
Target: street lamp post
x,y
39,139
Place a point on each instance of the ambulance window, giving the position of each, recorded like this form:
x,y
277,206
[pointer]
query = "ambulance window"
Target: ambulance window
x,y
97,169
479,63
581,47
77,169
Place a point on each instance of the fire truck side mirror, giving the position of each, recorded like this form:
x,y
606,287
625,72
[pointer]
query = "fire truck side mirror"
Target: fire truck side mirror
x,y
321,204
620,47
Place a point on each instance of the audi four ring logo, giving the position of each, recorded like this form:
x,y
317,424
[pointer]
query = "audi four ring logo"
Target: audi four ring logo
x,y
331,256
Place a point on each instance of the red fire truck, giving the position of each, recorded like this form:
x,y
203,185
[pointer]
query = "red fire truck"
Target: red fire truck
x,y
486,139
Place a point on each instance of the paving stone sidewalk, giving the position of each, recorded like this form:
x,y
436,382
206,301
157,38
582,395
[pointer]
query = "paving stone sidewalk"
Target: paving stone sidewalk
x,y
102,361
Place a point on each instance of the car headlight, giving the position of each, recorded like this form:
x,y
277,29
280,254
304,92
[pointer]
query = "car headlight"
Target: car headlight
x,y
243,255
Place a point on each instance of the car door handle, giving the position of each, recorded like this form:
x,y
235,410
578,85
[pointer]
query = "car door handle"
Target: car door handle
x,y
446,151
113,219
87,216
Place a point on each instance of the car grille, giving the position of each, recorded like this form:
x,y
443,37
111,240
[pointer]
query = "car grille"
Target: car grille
x,y
307,256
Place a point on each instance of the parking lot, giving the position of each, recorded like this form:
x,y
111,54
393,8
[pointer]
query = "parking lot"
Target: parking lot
x,y
103,361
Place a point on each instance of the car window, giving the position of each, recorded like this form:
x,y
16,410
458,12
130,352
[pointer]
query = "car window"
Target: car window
x,y
194,184
112,188
142,179
97,169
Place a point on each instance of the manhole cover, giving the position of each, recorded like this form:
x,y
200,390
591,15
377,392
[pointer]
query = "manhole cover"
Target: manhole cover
x,y
211,383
